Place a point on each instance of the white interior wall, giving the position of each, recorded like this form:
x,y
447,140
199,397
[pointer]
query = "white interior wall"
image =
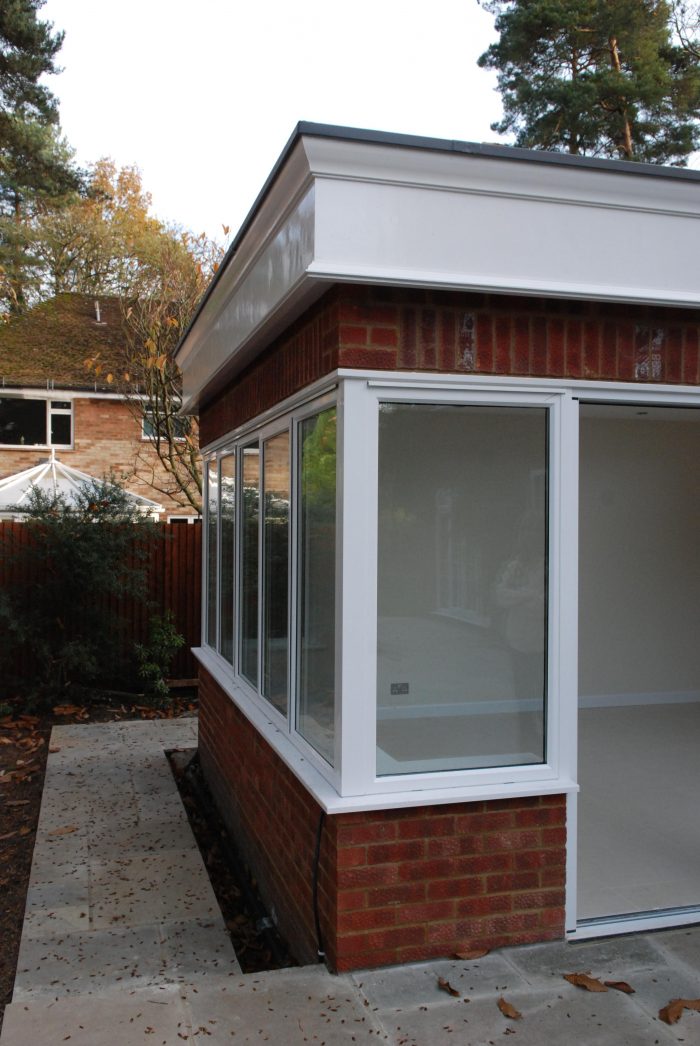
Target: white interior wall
x,y
639,553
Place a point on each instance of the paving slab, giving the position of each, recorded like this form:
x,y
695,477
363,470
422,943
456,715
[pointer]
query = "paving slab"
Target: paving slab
x,y
154,1016
124,942
608,958
289,1007
402,985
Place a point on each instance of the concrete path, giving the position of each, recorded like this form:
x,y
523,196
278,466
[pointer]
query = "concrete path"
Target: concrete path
x,y
123,941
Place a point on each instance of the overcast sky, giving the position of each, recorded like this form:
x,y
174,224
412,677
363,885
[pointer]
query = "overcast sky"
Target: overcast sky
x,y
203,95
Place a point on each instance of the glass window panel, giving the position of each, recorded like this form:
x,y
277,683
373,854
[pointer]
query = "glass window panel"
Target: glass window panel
x,y
316,610
275,570
250,564
23,422
60,429
228,541
212,512
462,619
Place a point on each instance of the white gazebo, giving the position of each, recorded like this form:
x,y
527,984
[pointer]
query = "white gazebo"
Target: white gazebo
x,y
55,477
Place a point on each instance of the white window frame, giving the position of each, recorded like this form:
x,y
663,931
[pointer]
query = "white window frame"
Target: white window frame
x,y
359,456
50,411
250,699
150,437
352,783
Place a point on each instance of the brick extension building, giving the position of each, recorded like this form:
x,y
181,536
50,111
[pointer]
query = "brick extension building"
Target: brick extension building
x,y
50,400
450,681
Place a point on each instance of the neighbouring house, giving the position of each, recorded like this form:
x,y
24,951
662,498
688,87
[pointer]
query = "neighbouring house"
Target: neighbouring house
x,y
54,408
449,402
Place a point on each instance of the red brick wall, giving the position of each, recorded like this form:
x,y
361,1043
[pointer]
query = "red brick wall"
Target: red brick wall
x,y
394,885
306,351
403,329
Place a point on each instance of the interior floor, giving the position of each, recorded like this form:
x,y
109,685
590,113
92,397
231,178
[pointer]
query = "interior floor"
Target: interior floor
x,y
639,832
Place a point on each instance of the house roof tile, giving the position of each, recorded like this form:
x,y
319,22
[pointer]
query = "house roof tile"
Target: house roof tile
x,y
47,346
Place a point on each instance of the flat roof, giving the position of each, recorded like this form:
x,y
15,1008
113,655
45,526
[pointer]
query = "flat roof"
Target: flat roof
x,y
445,145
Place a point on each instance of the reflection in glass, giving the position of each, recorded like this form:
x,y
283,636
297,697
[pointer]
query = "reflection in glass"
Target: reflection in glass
x,y
228,539
462,620
212,512
316,600
275,569
249,564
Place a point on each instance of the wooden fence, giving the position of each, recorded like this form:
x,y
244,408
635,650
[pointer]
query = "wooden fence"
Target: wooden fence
x,y
174,575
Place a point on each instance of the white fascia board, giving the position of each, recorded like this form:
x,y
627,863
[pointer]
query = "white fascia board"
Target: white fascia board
x,y
585,234
262,288
363,212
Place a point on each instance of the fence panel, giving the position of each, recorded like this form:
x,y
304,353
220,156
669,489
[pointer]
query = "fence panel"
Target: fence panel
x,y
174,577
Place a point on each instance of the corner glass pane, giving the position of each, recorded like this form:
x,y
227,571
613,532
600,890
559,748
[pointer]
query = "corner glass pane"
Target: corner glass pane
x,y
228,540
316,610
276,570
22,422
462,587
212,513
249,564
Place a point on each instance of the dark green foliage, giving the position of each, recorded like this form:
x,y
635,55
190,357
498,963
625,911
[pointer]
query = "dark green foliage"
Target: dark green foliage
x,y
595,77
35,164
155,657
83,557
27,50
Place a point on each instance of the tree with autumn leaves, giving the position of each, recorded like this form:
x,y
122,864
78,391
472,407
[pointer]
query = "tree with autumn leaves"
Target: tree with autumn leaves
x,y
107,243
92,232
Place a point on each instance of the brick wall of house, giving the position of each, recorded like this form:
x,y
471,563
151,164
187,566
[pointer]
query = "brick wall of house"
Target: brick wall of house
x,y
394,885
402,329
107,437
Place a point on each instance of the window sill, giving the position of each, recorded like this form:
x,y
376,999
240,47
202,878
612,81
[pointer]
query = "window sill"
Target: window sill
x,y
323,791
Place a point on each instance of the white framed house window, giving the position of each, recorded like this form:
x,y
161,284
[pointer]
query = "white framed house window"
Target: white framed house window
x,y
152,430
388,588
26,422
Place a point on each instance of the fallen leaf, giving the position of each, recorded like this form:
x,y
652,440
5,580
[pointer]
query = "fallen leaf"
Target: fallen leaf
x,y
17,802
472,953
447,987
508,1010
67,710
673,1011
582,980
8,835
66,830
620,986
53,750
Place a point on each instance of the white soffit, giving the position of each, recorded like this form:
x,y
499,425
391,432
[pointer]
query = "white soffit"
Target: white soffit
x,y
364,211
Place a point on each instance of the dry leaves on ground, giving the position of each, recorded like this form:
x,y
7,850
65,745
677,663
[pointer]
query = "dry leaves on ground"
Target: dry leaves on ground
x,y
673,1011
620,986
472,953
508,1010
447,987
583,980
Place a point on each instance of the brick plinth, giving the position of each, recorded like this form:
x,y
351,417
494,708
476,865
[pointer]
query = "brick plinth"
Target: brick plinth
x,y
394,885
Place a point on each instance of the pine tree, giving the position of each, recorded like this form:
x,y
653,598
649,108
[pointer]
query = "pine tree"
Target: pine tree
x,y
595,77
35,162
